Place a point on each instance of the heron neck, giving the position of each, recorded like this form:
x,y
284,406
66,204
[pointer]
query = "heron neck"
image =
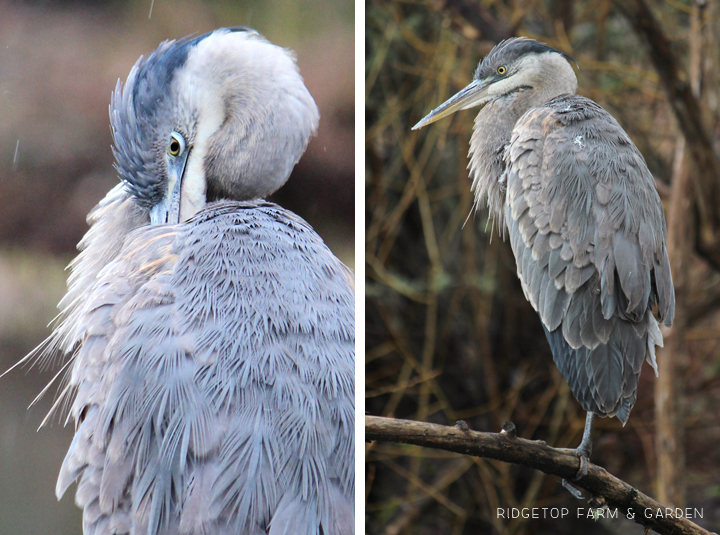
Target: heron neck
x,y
493,129
491,134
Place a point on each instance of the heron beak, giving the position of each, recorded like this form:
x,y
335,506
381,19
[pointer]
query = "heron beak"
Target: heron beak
x,y
473,95
174,196
167,211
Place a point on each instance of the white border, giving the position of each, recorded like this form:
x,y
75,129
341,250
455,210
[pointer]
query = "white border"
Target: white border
x,y
359,267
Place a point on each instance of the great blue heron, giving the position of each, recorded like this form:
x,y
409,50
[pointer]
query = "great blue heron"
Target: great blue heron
x,y
210,333
586,225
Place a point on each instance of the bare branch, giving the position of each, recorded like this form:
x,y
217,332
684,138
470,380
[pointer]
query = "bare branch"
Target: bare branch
x,y
604,487
480,18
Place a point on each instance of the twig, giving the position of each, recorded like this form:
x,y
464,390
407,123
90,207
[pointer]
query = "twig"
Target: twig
x,y
534,454
480,18
432,491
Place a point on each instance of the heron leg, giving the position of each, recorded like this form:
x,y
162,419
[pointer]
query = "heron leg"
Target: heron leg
x,y
585,447
584,450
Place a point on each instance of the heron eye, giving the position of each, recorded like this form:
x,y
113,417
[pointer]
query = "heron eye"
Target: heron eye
x,y
501,70
177,144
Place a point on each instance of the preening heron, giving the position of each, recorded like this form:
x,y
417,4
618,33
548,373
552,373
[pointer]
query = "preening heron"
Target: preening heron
x,y
568,186
209,334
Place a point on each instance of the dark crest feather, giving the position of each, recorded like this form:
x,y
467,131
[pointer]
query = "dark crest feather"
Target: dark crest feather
x,y
511,50
136,113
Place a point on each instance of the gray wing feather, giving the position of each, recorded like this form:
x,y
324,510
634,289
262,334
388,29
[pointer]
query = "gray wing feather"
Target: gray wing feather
x,y
110,221
296,519
588,232
213,379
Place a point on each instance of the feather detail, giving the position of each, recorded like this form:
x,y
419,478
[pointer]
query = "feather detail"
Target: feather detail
x,y
214,379
590,267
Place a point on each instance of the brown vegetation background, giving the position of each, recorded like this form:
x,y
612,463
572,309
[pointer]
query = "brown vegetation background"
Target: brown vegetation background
x,y
449,334
59,62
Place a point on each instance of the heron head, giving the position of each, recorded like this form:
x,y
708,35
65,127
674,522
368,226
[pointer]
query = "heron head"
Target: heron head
x,y
221,115
515,66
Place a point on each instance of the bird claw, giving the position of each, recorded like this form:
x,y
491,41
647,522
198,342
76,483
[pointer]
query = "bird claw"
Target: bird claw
x,y
574,491
581,473
583,470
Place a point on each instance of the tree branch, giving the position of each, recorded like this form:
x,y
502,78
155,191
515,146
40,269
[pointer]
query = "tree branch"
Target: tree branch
x,y
506,447
480,18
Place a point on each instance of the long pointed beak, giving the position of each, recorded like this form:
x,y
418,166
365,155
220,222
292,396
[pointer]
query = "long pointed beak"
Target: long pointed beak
x,y
168,210
173,217
473,95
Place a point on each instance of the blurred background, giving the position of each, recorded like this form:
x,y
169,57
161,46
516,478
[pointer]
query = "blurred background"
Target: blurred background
x,y
59,62
449,334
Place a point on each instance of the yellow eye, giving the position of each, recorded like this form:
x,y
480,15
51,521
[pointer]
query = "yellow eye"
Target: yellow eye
x,y
177,144
501,70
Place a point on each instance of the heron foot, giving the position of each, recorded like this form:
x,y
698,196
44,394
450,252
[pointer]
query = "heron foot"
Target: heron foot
x,y
583,452
581,473
584,455
574,491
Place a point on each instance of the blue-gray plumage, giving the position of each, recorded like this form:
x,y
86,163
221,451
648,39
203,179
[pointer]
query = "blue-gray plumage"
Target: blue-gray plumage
x,y
585,222
211,332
